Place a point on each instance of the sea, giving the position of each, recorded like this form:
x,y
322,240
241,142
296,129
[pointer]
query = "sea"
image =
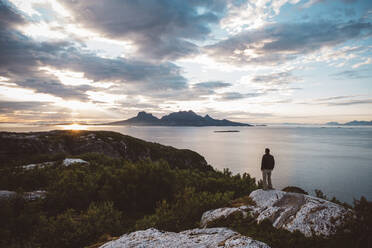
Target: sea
x,y
335,159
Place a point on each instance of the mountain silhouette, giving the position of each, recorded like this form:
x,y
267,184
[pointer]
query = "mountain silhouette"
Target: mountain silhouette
x,y
181,118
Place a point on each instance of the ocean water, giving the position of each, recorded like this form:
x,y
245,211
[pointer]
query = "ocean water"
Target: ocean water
x,y
336,160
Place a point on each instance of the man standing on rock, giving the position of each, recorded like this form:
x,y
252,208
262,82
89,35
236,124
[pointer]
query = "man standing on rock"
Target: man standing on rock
x,y
267,165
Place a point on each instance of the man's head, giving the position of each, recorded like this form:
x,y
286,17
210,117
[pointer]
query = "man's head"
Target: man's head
x,y
267,151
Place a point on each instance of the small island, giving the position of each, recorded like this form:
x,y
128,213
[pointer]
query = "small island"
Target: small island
x,y
227,131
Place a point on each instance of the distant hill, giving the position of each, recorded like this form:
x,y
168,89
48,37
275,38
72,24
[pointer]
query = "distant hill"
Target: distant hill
x,y
181,118
351,123
35,147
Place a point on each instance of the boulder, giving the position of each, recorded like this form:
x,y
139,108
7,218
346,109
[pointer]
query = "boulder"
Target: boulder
x,y
70,161
291,211
30,196
209,237
5,194
215,214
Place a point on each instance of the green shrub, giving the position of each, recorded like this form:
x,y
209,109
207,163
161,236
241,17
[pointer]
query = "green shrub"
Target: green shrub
x,y
185,211
73,229
294,189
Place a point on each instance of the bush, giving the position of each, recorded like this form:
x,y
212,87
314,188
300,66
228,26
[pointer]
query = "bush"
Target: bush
x,y
185,212
294,189
73,229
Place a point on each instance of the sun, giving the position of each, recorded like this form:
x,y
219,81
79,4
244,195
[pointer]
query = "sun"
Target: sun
x,y
73,126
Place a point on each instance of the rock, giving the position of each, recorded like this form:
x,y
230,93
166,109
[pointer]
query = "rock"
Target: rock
x,y
209,237
70,161
39,165
291,211
5,194
65,162
32,195
215,214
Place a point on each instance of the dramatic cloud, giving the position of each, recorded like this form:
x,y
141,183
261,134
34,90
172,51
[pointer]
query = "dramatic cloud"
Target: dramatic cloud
x,y
160,29
22,57
277,43
77,59
243,15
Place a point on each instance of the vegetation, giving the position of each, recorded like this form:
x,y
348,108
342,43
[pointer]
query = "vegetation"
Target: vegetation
x,y
109,196
294,189
86,204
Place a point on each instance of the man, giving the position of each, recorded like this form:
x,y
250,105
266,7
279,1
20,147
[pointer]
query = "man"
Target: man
x,y
267,165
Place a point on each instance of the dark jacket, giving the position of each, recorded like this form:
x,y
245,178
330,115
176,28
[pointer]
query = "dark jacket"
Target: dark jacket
x,y
268,162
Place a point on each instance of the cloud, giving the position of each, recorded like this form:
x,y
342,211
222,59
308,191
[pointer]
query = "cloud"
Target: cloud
x,y
11,106
22,57
351,102
366,62
338,101
277,43
275,82
211,85
280,78
352,74
312,2
160,29
243,15
231,96
9,16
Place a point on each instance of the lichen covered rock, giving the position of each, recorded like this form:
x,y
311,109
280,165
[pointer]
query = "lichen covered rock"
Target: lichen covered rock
x,y
209,237
212,215
291,211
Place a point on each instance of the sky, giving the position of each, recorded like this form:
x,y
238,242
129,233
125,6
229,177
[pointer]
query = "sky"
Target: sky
x,y
262,61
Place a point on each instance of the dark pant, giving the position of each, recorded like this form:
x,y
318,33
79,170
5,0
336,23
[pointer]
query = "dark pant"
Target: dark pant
x,y
266,176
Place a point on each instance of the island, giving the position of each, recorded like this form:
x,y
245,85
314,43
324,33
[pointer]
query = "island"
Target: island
x,y
350,123
181,118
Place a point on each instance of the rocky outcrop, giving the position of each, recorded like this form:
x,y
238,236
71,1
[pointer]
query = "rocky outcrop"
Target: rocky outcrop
x,y
20,147
216,214
65,162
198,238
291,211
32,195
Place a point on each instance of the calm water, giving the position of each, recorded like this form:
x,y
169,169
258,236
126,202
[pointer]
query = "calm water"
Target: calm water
x,y
336,160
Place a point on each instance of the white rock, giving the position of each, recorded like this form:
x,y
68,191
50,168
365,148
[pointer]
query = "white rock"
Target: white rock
x,y
39,165
211,215
32,195
4,194
291,211
70,161
209,237
65,162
